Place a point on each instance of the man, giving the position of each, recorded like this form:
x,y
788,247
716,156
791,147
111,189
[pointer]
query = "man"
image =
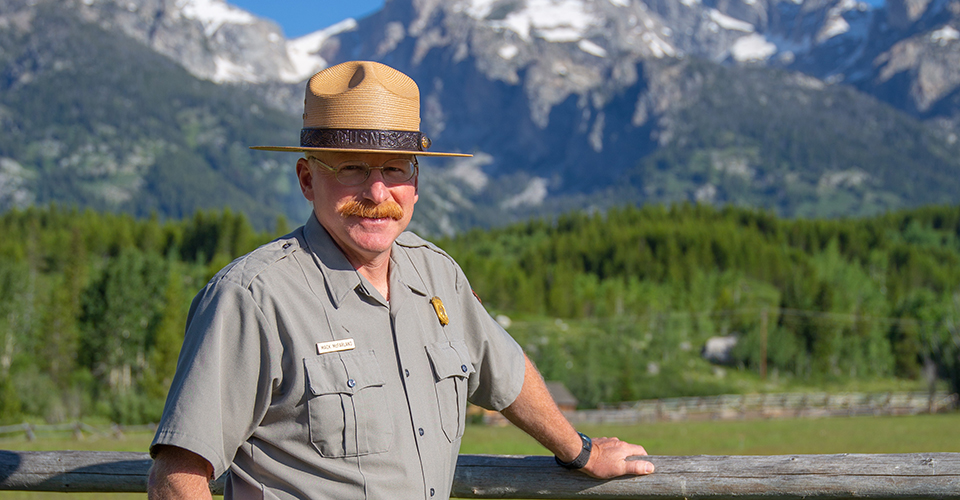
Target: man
x,y
336,362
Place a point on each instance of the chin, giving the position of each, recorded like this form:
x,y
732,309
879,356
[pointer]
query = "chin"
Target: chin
x,y
377,242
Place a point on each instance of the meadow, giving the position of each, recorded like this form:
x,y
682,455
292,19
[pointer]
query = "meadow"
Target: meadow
x,y
914,434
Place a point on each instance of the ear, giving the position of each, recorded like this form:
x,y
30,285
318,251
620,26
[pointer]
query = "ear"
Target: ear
x,y
305,176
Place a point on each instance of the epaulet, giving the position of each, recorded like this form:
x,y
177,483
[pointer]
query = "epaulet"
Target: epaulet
x,y
411,240
415,245
244,269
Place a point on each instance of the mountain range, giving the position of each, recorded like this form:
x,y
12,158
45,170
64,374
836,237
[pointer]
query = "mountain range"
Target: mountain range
x,y
807,107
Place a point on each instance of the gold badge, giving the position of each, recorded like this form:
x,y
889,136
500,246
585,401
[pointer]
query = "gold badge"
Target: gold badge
x,y
441,312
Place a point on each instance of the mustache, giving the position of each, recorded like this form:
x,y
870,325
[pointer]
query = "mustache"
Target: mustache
x,y
386,209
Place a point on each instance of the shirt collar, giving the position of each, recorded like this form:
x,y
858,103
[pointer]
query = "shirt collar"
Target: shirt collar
x,y
339,274
404,272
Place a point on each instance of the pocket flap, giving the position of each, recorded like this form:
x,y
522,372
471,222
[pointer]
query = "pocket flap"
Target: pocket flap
x,y
449,359
341,373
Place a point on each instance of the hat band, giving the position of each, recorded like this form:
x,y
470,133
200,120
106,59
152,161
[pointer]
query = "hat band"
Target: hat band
x,y
342,138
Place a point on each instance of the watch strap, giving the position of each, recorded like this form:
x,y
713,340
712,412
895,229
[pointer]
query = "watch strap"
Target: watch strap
x,y
582,459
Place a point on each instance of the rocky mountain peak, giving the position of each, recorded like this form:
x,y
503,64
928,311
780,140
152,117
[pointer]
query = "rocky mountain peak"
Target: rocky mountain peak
x,y
903,13
212,39
564,102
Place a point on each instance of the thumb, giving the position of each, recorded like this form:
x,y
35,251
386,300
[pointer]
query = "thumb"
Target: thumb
x,y
639,467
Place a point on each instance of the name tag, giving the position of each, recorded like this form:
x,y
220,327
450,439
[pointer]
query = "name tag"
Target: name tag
x,y
335,345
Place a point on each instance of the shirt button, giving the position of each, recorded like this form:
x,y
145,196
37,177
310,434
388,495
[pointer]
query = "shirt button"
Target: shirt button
x,y
421,431
464,368
432,492
351,383
406,372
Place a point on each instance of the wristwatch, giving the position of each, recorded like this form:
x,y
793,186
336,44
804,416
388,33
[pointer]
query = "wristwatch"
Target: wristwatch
x,y
582,458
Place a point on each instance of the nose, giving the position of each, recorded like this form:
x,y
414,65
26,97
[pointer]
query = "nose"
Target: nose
x,y
376,190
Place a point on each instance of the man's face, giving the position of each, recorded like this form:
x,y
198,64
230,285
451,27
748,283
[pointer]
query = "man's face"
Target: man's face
x,y
363,238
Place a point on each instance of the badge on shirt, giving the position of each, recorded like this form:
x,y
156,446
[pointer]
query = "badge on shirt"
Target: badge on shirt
x,y
335,345
441,312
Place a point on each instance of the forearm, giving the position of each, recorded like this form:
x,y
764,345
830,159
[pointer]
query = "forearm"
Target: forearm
x,y
535,412
179,474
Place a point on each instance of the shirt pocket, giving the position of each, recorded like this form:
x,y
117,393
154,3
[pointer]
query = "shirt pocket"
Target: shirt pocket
x,y
451,368
347,406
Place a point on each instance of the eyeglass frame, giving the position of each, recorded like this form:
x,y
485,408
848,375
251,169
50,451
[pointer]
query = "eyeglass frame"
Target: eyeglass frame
x,y
368,169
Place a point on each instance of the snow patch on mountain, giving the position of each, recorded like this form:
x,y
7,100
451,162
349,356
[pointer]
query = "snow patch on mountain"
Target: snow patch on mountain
x,y
752,48
729,23
229,71
657,46
508,52
945,35
551,20
534,194
304,54
834,27
477,9
214,14
592,48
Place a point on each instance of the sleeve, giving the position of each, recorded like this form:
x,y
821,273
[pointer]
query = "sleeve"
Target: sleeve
x,y
225,375
497,358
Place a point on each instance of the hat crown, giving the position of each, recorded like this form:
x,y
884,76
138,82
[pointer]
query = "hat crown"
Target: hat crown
x,y
362,95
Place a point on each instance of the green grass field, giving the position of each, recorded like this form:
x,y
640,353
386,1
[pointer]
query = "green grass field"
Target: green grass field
x,y
923,433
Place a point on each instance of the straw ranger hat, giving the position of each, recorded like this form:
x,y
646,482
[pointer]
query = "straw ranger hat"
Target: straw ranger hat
x,y
361,107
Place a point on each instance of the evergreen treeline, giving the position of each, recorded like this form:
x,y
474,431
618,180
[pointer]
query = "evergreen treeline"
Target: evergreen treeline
x,y
617,305
93,307
639,290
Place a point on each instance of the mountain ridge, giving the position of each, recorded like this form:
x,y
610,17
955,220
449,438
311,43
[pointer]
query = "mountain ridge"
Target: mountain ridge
x,y
579,103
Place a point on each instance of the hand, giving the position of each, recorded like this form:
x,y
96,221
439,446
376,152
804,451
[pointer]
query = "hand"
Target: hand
x,y
608,459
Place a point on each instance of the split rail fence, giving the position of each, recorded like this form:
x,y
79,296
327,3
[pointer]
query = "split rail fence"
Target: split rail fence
x,y
789,405
905,476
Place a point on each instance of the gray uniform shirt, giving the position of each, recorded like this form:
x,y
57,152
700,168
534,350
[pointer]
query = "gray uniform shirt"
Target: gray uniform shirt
x,y
269,387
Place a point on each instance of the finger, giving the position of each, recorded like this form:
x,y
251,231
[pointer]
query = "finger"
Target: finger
x,y
639,467
627,449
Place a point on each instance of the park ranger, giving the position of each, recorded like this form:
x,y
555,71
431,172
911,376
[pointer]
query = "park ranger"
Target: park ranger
x,y
336,362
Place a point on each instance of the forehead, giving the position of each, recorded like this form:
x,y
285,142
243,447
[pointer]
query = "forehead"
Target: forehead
x,y
334,157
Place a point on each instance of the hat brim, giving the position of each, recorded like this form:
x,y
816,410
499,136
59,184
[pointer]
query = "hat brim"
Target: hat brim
x,y
301,149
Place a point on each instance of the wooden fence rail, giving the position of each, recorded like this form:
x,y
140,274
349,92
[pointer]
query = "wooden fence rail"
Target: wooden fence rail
x,y
789,477
784,405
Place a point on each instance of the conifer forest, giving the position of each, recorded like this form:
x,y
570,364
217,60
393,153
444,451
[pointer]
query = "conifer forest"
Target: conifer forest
x,y
617,305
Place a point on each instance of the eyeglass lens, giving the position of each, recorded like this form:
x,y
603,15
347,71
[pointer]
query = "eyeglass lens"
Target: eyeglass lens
x,y
394,171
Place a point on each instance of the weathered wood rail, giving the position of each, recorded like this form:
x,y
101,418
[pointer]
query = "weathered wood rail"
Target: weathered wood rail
x,y
784,405
789,477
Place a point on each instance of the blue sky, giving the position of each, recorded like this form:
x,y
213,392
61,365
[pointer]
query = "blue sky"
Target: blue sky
x,y
299,17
